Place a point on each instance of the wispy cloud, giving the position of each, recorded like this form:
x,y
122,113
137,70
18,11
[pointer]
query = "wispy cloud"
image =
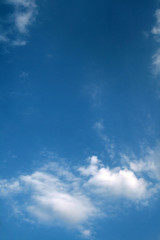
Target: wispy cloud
x,y
94,93
156,29
24,74
75,197
16,29
150,164
109,146
156,62
156,34
9,187
3,38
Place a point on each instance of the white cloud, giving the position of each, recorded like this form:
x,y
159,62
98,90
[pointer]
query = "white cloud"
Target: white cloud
x,y
3,39
117,182
156,33
23,15
156,28
94,93
52,200
92,168
98,126
150,164
19,42
110,147
86,233
156,62
9,187
24,75
22,20
58,195
25,3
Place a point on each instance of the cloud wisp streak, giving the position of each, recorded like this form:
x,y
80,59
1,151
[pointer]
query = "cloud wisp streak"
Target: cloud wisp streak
x,y
15,30
109,146
156,29
156,34
76,198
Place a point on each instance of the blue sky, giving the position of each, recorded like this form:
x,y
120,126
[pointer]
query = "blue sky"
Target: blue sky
x,y
80,132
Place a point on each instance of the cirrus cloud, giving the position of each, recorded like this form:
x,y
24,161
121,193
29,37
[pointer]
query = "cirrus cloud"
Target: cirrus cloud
x,y
15,30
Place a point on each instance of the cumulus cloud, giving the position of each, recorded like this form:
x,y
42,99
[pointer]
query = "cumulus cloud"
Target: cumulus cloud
x,y
116,182
56,194
51,198
16,29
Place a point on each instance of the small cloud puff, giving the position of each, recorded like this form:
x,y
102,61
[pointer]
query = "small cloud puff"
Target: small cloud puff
x,y
86,233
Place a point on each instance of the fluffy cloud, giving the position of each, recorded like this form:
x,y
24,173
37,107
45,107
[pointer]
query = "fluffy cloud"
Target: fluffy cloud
x,y
19,21
116,182
52,200
55,194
